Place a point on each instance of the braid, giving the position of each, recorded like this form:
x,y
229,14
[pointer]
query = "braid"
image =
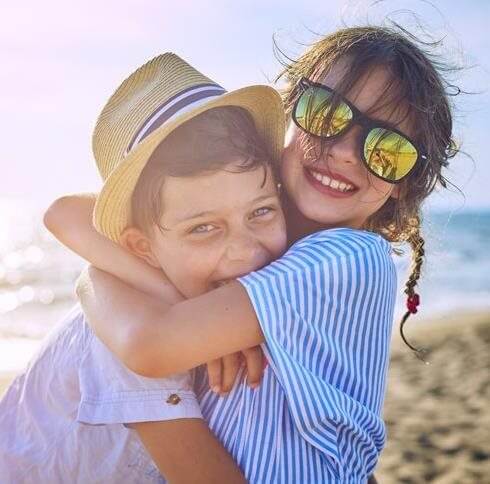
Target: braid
x,y
417,244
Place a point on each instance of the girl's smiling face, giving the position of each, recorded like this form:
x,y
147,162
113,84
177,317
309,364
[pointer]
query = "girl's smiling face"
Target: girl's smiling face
x,y
217,227
341,162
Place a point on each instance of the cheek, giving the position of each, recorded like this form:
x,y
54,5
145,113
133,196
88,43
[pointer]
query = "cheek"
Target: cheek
x,y
289,166
380,189
197,265
292,147
277,245
188,268
298,152
275,241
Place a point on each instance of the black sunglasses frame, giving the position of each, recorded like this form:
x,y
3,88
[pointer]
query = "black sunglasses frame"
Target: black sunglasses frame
x,y
359,118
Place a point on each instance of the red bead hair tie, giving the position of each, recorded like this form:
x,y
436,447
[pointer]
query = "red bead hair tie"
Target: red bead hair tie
x,y
412,302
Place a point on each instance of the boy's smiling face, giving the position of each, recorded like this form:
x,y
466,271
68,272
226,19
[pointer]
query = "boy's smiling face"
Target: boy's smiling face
x,y
216,227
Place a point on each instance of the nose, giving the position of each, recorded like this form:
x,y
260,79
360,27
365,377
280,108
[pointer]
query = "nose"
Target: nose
x,y
346,148
246,253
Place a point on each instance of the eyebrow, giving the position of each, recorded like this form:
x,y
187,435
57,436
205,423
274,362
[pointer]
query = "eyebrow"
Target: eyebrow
x,y
205,213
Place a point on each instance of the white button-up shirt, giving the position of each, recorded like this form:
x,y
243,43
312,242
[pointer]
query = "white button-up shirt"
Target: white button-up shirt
x,y
62,420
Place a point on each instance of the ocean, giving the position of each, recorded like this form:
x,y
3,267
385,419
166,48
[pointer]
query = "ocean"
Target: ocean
x,y
37,274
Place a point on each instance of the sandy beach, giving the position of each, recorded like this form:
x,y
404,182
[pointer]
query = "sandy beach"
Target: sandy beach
x,y
437,414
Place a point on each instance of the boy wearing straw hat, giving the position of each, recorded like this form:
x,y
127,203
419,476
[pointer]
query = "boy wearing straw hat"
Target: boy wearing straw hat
x,y
188,188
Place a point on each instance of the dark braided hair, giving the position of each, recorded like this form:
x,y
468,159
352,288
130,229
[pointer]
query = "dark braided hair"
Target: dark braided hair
x,y
417,243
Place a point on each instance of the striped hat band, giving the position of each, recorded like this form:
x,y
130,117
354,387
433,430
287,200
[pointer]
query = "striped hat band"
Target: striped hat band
x,y
182,102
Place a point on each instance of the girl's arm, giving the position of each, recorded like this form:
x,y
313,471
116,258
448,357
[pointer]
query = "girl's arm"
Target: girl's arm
x,y
185,451
155,339
69,219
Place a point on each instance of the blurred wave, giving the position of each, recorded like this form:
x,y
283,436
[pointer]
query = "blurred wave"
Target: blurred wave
x,y
37,274
456,271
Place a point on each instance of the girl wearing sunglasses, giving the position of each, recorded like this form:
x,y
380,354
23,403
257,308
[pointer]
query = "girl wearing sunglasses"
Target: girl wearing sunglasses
x,y
370,129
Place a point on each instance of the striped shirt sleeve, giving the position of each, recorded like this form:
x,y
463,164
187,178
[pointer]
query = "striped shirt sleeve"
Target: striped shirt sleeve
x,y
326,311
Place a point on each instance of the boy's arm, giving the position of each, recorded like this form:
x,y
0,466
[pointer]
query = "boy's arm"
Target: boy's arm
x,y
155,339
185,451
69,219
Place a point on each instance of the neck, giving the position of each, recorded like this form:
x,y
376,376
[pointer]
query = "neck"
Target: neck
x,y
298,226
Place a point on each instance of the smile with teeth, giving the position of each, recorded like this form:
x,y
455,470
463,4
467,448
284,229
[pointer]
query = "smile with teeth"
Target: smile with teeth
x,y
331,182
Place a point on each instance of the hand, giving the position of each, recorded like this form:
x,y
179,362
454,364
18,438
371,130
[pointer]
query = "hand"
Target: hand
x,y
222,372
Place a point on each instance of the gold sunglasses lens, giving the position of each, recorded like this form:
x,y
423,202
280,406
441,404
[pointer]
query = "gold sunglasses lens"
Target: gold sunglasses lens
x,y
389,155
313,113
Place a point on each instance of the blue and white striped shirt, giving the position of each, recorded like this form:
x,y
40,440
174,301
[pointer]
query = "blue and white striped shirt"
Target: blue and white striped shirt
x,y
326,311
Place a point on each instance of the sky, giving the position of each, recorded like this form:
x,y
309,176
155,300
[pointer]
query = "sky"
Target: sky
x,y
61,60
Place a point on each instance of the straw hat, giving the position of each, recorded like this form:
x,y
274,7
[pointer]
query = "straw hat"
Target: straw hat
x,y
152,102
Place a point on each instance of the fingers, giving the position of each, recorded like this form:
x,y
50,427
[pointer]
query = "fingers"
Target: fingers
x,y
214,375
255,365
222,372
231,366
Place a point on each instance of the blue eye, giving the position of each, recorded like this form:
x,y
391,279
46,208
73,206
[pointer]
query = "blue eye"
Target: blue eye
x,y
260,212
202,229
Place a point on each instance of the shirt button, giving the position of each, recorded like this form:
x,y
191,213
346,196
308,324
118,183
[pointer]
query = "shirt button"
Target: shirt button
x,y
173,399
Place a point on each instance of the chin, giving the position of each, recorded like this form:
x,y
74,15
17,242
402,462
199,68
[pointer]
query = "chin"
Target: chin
x,y
329,222
328,217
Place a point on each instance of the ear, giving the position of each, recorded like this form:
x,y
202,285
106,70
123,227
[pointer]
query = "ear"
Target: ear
x,y
139,244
